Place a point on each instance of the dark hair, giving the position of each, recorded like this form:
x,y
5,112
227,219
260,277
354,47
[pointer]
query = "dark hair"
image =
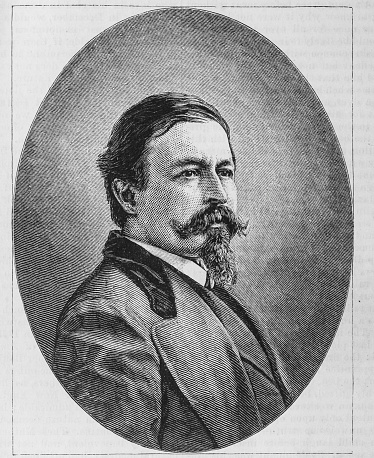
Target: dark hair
x,y
124,157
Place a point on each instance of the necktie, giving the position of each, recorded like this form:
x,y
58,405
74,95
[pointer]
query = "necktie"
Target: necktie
x,y
209,282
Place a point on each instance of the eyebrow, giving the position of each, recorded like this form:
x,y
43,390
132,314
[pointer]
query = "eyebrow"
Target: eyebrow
x,y
201,162
226,162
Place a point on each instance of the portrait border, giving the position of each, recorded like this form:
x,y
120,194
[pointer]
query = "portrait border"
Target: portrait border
x,y
350,292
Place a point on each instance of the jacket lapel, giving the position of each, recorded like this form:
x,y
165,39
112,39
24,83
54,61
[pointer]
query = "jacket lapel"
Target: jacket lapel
x,y
273,362
206,366
244,340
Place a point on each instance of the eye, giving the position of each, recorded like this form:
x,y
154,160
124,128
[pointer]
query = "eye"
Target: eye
x,y
225,173
191,173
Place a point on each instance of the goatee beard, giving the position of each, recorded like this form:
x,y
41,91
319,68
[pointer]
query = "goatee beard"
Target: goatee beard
x,y
216,252
218,257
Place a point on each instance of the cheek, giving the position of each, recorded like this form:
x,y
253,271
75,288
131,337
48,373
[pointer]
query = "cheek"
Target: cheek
x,y
231,195
187,196
181,196
165,201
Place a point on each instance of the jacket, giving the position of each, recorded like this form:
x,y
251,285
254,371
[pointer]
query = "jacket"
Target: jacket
x,y
162,361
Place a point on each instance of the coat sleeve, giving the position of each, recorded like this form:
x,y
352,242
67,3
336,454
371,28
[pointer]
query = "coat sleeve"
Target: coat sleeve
x,y
107,363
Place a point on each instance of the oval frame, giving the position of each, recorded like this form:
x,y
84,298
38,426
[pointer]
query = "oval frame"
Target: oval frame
x,y
100,214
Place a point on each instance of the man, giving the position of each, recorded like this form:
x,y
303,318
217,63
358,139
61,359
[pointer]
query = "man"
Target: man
x,y
154,344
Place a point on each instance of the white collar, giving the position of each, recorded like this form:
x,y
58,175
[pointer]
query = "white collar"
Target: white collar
x,y
186,266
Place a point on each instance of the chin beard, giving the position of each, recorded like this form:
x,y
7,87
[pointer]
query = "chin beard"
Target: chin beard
x,y
219,257
216,252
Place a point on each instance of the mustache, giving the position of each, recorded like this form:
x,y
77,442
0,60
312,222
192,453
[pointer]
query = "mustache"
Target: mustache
x,y
202,220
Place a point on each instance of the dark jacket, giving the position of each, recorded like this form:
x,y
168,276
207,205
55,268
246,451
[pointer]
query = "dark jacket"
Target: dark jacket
x,y
162,361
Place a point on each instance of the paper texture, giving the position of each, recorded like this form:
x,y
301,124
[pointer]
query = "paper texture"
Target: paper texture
x,y
333,415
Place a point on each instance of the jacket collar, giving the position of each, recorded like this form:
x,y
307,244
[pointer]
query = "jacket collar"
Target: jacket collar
x,y
185,265
119,247
144,269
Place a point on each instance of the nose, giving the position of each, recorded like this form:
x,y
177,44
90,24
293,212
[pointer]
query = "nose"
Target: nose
x,y
214,191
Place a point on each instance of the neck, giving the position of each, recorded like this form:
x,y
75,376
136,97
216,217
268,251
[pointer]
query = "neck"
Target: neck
x,y
131,229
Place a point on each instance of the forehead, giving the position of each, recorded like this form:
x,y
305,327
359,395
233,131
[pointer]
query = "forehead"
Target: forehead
x,y
205,141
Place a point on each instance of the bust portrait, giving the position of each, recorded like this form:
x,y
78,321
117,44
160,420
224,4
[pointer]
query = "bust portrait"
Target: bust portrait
x,y
221,183
154,344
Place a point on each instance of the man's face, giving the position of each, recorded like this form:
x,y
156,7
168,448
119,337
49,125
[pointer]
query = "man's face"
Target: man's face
x,y
190,168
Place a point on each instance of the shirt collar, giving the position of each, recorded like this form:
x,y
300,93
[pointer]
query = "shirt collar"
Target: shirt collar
x,y
184,265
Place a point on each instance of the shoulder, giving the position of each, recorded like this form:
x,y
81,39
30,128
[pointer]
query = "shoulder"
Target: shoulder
x,y
109,294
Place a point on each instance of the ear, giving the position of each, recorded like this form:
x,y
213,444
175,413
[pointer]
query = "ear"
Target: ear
x,y
125,194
